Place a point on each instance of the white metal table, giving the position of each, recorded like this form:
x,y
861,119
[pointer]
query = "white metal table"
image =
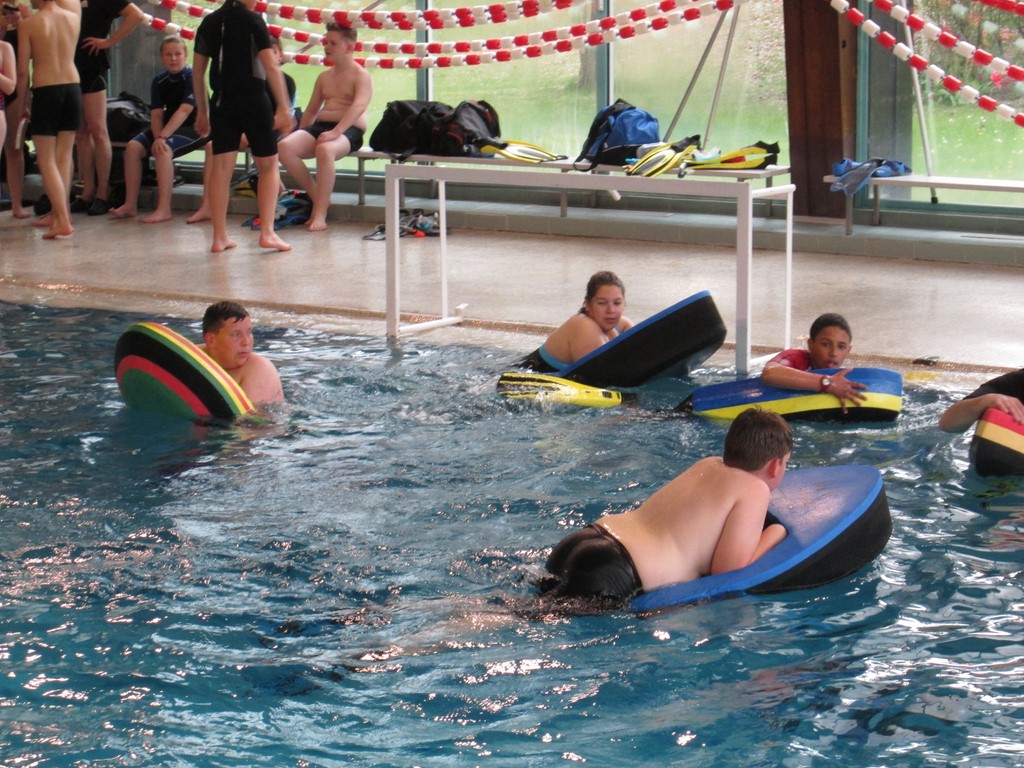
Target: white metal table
x,y
744,193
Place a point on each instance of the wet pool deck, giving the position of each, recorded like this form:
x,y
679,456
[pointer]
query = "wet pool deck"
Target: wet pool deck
x,y
517,286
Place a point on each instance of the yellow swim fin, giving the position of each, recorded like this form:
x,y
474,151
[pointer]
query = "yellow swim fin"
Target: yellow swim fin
x,y
757,155
521,385
522,151
664,157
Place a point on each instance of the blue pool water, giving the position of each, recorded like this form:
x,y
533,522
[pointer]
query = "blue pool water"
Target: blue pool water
x,y
340,588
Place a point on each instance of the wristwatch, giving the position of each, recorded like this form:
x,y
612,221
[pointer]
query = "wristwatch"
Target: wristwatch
x,y
826,382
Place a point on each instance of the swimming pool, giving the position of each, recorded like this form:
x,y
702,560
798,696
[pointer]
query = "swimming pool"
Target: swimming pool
x,y
339,589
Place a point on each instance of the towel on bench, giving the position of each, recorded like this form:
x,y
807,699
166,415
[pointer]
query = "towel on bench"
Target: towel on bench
x,y
852,176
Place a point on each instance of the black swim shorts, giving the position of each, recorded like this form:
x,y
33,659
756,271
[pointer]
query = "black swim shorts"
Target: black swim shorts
x,y
56,109
253,117
92,79
352,133
591,563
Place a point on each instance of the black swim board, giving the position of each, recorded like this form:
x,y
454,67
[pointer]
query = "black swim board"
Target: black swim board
x,y
670,343
837,521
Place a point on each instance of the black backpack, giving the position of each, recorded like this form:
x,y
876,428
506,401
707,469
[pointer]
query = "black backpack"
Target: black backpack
x,y
127,116
406,127
616,135
461,132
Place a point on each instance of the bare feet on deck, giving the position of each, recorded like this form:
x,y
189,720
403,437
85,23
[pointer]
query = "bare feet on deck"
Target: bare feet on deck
x,y
58,234
201,215
317,225
20,213
43,221
219,246
274,241
157,216
123,212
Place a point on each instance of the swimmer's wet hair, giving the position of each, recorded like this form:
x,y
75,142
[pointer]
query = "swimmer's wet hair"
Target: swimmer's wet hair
x,y
218,314
755,438
830,320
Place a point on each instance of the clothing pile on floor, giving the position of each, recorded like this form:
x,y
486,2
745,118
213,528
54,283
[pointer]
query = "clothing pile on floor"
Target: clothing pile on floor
x,y
411,223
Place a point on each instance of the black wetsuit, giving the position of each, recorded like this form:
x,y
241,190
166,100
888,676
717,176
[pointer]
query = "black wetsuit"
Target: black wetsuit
x,y
1010,384
231,38
98,17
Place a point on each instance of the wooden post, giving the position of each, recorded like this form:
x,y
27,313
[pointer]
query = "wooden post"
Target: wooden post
x,y
821,78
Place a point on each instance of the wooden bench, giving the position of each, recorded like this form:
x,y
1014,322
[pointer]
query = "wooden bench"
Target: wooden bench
x,y
923,180
363,156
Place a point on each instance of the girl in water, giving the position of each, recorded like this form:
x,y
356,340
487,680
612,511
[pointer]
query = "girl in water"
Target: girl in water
x,y
599,320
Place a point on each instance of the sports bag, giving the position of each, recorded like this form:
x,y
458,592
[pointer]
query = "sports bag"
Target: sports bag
x,y
127,116
470,124
406,127
617,133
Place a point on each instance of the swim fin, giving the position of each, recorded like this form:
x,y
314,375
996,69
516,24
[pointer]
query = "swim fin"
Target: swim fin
x,y
518,150
516,385
757,155
664,157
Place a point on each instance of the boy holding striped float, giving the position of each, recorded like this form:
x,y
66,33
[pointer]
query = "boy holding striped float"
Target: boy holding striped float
x,y
1004,393
227,338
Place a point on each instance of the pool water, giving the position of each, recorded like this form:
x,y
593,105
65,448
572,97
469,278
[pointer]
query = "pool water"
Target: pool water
x,y
342,587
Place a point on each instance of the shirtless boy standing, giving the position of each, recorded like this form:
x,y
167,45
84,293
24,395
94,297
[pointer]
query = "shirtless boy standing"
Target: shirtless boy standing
x,y
46,46
333,124
710,519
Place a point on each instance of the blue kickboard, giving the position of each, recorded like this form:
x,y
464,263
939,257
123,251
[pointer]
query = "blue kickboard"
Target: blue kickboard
x,y
837,521
885,389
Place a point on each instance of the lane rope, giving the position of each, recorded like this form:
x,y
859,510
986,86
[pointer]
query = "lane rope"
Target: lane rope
x,y
622,26
920,64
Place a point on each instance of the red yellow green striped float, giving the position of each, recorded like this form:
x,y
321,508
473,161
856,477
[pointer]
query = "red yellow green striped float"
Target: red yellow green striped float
x,y
161,371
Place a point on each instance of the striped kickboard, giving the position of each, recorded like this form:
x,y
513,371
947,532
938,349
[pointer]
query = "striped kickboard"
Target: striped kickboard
x,y
161,371
727,400
998,445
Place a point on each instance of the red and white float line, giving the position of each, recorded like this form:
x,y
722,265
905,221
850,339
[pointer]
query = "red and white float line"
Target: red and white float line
x,y
622,26
935,33
1010,6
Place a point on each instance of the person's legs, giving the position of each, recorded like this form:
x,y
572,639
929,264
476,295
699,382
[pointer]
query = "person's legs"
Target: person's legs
x,y
15,161
327,154
164,187
203,213
3,128
266,197
50,152
216,192
134,155
94,163
292,150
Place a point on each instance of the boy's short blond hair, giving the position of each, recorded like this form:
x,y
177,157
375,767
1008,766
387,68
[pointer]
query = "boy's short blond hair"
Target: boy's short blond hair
x,y
172,39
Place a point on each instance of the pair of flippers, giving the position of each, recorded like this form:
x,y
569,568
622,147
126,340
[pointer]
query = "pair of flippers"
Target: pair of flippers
x,y
686,154
522,151
664,157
